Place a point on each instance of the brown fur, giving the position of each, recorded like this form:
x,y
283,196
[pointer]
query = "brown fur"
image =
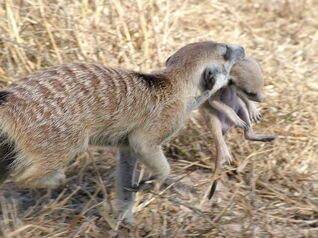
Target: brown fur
x,y
53,114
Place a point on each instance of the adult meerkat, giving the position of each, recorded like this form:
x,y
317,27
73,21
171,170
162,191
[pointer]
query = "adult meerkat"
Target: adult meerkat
x,y
51,115
224,109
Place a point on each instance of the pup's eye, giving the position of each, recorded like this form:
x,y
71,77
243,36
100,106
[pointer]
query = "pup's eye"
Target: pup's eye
x,y
253,95
227,54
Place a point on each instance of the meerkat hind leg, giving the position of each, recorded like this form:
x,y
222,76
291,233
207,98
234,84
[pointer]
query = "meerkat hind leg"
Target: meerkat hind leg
x,y
33,178
52,180
125,173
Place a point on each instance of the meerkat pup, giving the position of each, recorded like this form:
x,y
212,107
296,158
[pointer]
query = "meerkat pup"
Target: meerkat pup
x,y
51,115
225,109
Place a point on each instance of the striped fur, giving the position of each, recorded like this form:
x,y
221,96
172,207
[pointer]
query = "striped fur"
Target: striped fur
x,y
53,114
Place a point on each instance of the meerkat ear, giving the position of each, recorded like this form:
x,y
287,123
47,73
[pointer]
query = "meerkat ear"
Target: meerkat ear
x,y
167,61
208,79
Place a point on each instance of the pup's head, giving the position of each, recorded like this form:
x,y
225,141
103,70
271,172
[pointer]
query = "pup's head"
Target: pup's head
x,y
207,64
248,77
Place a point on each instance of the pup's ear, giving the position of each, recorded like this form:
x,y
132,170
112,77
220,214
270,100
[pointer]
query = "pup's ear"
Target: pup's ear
x,y
208,79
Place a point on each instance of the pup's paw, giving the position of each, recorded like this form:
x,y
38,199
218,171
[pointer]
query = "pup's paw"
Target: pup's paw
x,y
255,115
239,122
226,157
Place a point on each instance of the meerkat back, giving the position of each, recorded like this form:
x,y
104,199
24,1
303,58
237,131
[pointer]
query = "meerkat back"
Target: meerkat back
x,y
47,117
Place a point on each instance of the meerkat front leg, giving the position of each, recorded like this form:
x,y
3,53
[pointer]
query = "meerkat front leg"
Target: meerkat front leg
x,y
125,173
152,156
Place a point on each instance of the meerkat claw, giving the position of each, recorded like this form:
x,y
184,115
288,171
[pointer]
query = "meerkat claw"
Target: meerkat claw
x,y
144,185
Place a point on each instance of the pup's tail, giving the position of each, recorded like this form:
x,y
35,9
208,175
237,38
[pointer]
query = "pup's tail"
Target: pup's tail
x,y
7,157
215,176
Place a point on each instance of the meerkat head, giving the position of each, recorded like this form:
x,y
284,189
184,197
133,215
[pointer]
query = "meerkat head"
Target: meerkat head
x,y
206,64
248,77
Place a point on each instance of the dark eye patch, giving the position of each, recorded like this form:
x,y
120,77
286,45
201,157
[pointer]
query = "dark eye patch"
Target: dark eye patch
x,y
227,54
208,78
231,82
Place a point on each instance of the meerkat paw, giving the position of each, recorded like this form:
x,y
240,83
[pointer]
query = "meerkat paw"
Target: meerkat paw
x,y
52,180
33,178
124,213
144,185
147,185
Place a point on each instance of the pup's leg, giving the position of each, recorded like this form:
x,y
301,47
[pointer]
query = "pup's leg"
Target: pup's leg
x,y
222,152
215,127
248,131
228,112
125,172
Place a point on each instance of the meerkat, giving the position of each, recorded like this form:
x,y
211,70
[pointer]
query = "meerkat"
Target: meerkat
x,y
224,109
51,115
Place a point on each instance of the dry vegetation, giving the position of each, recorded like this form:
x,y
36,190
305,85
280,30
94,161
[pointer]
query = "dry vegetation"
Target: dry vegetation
x,y
271,190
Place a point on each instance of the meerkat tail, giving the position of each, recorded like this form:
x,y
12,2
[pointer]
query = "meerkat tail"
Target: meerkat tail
x,y
7,157
7,148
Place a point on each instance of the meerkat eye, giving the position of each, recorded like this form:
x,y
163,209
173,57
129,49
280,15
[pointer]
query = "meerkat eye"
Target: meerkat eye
x,y
231,82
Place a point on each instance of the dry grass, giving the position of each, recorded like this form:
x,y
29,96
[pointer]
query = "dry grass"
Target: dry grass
x,y
270,191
